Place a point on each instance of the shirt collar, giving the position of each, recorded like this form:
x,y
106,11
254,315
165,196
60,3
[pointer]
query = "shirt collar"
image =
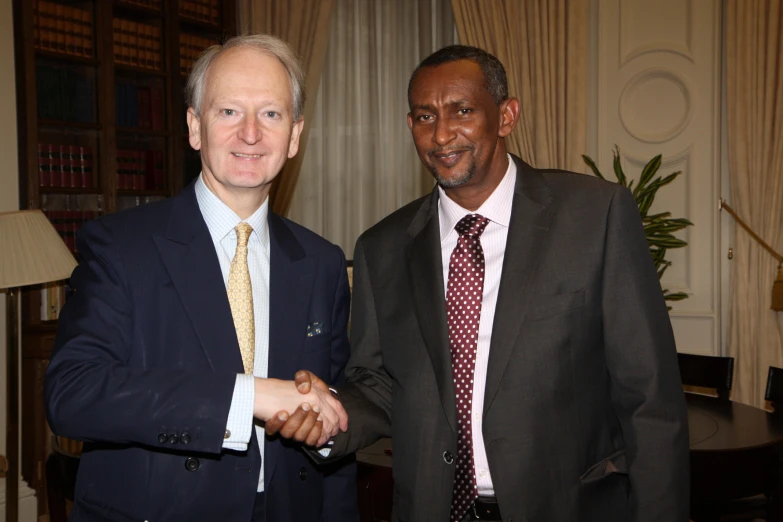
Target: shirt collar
x,y
221,220
497,207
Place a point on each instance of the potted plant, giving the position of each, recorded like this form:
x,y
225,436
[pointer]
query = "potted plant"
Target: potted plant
x,y
659,228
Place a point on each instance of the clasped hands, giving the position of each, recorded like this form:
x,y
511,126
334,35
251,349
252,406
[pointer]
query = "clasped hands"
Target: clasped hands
x,y
317,415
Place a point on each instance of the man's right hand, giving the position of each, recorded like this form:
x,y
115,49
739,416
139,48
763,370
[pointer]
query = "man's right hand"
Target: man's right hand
x,y
324,419
300,425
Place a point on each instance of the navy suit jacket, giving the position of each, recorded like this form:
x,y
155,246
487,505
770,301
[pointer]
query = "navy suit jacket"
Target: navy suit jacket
x,y
146,359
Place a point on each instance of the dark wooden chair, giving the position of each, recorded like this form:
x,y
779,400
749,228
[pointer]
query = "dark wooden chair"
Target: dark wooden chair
x,y
61,468
706,371
774,393
768,503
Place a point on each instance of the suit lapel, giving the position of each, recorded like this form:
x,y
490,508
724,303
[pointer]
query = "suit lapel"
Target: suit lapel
x,y
425,269
291,277
189,256
528,228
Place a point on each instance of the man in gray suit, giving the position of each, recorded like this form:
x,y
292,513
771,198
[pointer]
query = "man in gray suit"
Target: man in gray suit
x,y
509,331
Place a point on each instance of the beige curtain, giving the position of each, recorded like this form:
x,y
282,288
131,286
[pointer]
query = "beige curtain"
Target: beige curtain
x,y
754,103
305,25
543,45
361,163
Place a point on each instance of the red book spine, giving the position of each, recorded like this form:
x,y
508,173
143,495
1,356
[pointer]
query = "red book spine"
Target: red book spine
x,y
85,166
43,166
120,169
127,171
54,165
73,166
65,174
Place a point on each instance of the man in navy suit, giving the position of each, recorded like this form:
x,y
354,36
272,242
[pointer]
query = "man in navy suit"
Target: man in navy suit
x,y
147,368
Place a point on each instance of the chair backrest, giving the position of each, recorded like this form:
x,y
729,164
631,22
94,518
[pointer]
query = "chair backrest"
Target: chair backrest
x,y
774,393
707,371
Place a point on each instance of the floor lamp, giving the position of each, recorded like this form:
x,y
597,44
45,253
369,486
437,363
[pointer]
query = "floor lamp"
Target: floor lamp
x,y
31,253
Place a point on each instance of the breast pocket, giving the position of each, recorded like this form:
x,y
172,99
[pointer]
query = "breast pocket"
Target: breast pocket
x,y
316,343
555,305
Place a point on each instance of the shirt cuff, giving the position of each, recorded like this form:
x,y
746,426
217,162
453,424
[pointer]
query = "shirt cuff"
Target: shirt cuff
x,y
324,452
239,425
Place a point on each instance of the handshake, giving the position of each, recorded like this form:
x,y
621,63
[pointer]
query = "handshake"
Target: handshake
x,y
317,414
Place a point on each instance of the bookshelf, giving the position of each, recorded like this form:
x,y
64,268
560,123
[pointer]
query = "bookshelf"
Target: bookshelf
x,y
101,128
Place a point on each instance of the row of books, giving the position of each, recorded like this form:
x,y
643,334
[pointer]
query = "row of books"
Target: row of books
x,y
190,48
203,10
64,94
139,106
52,301
152,4
68,222
141,170
137,44
63,29
65,165
126,202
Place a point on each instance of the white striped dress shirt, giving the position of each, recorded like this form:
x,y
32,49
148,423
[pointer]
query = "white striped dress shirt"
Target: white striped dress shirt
x,y
497,208
221,221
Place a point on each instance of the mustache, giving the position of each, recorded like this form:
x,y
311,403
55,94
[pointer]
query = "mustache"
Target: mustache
x,y
449,150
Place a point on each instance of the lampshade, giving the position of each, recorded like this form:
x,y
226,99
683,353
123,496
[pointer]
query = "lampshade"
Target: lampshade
x,y
31,250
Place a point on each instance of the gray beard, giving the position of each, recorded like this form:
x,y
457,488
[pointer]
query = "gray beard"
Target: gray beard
x,y
455,182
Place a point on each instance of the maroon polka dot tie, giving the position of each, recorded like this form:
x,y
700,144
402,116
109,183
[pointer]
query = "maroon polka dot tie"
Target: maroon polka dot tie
x,y
463,309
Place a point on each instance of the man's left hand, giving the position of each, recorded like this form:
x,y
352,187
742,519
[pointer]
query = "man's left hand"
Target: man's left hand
x,y
299,425
304,425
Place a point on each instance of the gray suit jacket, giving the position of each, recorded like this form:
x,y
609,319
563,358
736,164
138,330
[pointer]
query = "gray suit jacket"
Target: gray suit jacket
x,y
584,414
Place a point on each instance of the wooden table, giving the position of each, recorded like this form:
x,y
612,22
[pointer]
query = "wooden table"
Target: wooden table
x,y
375,483
735,453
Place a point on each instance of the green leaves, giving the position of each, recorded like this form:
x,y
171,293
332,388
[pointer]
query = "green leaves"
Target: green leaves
x,y
659,228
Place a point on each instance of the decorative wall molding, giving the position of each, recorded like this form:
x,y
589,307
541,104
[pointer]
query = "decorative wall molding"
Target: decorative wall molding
x,y
656,68
630,49
634,96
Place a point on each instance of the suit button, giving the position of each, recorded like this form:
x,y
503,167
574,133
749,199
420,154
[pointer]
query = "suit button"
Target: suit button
x,y
184,438
303,474
173,439
162,438
192,464
448,458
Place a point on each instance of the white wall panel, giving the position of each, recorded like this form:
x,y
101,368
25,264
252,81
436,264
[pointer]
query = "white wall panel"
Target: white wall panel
x,y
656,90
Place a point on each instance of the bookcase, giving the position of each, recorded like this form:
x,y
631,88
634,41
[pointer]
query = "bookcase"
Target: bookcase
x,y
101,128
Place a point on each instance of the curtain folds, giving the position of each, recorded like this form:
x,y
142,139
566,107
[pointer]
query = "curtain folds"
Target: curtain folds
x,y
543,45
361,163
305,25
754,104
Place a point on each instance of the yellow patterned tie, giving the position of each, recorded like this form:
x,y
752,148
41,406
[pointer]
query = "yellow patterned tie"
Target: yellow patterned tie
x,y
240,297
